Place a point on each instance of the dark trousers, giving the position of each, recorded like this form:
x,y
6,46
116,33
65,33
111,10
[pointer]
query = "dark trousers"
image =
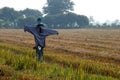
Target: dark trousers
x,y
39,52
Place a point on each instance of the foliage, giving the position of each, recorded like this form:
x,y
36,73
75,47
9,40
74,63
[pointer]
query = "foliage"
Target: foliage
x,y
9,18
31,12
108,25
23,21
17,19
58,7
66,21
8,14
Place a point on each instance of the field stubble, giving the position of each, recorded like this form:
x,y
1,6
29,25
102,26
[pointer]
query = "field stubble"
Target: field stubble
x,y
99,50
87,44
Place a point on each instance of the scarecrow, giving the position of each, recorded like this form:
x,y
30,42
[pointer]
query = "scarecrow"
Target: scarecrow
x,y
40,33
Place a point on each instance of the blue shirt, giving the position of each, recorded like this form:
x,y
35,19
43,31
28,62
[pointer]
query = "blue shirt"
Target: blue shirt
x,y
40,37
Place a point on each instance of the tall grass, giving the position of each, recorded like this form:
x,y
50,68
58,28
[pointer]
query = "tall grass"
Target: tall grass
x,y
21,64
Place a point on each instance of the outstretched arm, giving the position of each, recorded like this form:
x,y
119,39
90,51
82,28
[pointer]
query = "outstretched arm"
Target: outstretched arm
x,y
52,32
48,32
28,29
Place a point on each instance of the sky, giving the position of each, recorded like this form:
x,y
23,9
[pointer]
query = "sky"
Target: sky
x,y
100,10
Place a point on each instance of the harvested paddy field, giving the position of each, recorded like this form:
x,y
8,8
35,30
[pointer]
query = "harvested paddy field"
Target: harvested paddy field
x,y
74,54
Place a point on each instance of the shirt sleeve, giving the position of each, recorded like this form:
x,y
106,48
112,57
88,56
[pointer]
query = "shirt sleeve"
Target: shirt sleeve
x,y
47,32
28,29
52,32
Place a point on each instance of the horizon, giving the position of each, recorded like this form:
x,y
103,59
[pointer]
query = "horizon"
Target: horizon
x,y
102,11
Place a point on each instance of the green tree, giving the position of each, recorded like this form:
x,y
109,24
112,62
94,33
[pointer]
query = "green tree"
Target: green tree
x,y
26,21
69,20
58,6
31,12
5,24
8,14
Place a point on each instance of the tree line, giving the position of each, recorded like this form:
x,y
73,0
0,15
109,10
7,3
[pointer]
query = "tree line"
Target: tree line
x,y
57,15
9,18
108,24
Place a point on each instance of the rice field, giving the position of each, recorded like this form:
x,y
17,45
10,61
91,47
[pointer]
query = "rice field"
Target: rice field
x,y
74,54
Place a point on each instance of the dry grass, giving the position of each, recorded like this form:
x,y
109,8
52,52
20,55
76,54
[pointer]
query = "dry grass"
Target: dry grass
x,y
83,43
100,48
